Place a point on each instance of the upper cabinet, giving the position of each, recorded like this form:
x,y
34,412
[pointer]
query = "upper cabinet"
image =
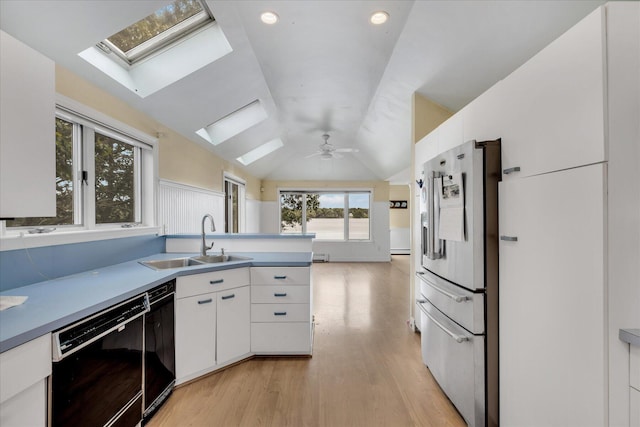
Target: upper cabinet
x,y
27,131
552,109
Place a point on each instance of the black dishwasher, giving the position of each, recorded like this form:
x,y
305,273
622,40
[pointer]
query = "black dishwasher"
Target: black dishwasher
x,y
159,354
97,368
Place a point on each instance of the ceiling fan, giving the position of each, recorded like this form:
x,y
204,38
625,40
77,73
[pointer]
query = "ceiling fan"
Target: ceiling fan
x,y
328,151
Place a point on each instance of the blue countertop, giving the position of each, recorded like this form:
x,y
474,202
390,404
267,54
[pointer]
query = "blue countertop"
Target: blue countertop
x,y
239,236
53,304
631,336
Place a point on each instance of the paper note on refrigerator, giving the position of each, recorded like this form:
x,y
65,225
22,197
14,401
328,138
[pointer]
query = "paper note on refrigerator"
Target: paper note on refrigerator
x,y
451,198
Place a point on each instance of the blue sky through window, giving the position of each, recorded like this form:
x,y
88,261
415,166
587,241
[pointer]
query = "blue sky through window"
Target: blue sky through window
x,y
337,201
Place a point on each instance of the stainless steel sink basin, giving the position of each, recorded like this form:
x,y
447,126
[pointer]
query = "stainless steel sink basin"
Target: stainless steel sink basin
x,y
163,264
211,259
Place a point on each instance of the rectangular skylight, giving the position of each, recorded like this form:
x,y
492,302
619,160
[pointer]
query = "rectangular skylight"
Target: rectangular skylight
x,y
260,152
164,26
234,123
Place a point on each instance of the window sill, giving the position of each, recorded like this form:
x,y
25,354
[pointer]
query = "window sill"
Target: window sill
x,y
24,240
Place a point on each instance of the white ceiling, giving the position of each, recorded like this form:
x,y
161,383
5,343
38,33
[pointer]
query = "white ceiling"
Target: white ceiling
x,y
322,68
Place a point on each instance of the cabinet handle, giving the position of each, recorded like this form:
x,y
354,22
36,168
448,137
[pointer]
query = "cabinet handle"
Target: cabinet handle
x,y
280,277
509,238
279,313
284,294
215,282
511,170
458,338
205,301
228,296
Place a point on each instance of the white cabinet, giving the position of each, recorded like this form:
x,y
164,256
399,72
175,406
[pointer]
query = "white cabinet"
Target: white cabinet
x,y
635,408
195,335
212,321
552,111
634,390
27,131
23,384
552,300
281,307
234,323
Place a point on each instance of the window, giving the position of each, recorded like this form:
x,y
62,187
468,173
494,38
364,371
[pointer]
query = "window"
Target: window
x,y
164,26
323,213
104,177
234,205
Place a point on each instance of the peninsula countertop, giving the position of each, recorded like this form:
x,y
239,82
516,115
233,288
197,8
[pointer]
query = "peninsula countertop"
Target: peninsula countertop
x,y
55,303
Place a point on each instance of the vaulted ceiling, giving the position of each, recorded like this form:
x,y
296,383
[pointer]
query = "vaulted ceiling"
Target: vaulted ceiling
x,y
323,68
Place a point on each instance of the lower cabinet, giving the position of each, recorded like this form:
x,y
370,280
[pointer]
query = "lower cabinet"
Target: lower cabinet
x,y
233,324
195,335
281,320
23,384
212,328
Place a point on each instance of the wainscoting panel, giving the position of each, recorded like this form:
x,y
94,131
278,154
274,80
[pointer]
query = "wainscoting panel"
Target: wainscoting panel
x,y
181,208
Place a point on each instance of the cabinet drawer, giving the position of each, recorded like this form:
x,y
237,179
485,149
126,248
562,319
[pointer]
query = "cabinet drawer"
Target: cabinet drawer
x,y
280,275
214,281
271,294
280,313
270,338
23,366
634,374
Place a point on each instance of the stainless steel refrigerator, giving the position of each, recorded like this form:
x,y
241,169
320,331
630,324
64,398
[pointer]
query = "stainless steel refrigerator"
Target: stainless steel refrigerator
x,y
459,277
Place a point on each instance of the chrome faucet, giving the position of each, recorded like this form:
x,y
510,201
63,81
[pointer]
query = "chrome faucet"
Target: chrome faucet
x,y
204,248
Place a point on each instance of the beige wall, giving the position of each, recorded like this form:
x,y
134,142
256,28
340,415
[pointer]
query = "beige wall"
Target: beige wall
x,y
180,159
399,218
426,116
380,188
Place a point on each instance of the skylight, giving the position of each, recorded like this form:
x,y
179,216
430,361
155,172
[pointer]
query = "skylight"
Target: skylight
x,y
163,27
260,152
234,123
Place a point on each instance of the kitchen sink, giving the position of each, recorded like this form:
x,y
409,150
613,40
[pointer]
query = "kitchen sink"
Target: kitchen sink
x,y
163,264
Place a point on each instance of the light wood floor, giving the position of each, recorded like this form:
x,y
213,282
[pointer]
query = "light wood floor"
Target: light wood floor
x,y
366,368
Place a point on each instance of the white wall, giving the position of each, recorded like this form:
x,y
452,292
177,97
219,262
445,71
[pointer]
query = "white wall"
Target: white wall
x,y
376,250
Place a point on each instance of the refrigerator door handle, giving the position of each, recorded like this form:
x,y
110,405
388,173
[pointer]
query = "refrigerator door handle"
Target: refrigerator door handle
x,y
456,337
451,295
432,240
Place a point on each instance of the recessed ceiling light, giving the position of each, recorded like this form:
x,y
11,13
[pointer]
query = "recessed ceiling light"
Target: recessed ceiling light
x,y
380,17
269,18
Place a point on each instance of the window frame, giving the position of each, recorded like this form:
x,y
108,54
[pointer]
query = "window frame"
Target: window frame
x,y
345,193
229,179
161,41
86,122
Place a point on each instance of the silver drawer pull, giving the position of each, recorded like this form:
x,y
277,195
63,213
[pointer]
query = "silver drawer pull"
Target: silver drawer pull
x,y
279,277
215,282
279,313
511,170
455,297
228,296
456,337
284,294
205,301
509,238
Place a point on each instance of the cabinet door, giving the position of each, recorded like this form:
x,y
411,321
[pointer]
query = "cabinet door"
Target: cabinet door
x,y
27,131
552,300
553,112
195,335
234,324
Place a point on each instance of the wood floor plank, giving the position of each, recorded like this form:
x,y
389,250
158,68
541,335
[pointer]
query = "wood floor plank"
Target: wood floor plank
x,y
366,369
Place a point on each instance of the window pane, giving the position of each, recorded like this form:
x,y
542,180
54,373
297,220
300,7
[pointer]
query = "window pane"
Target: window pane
x,y
290,213
114,181
64,181
325,214
359,216
155,24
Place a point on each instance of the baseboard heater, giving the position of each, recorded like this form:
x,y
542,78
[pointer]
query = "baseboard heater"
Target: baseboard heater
x,y
320,257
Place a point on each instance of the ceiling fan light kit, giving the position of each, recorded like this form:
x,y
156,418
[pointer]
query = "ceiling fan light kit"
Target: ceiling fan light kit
x,y
328,151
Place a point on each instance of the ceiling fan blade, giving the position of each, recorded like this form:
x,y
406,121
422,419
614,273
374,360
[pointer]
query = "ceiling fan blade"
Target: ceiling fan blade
x,y
313,155
337,156
347,150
